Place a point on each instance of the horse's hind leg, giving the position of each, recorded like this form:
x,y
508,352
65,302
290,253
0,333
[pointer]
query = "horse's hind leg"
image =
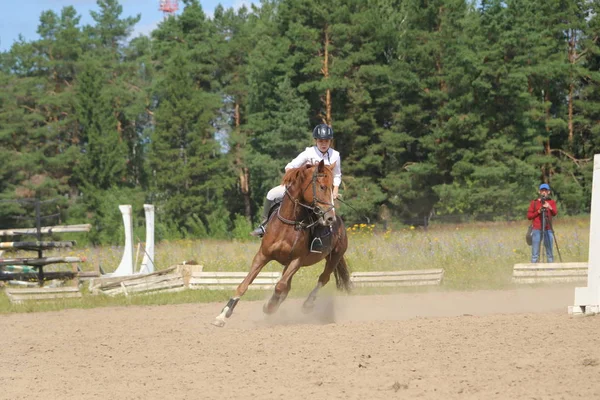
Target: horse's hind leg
x,y
259,261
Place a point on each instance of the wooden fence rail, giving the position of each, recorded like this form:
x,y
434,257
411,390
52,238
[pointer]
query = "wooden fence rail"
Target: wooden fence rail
x,y
397,278
39,262
46,229
42,293
231,280
550,273
37,245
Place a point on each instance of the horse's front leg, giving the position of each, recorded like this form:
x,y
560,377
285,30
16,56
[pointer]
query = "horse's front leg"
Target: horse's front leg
x,y
282,288
330,264
259,261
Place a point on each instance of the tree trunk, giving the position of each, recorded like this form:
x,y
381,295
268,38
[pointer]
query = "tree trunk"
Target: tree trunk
x,y
244,173
546,169
547,148
438,60
325,72
572,60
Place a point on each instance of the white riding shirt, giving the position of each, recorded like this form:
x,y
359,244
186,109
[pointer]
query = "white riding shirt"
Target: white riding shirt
x,y
313,155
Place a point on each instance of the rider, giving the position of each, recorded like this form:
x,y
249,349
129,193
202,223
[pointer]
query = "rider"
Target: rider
x,y
322,150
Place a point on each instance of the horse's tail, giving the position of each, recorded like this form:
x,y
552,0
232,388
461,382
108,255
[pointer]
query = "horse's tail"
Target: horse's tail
x,y
342,276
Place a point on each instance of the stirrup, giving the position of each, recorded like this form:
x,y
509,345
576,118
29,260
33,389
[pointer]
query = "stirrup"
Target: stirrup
x,y
316,245
258,232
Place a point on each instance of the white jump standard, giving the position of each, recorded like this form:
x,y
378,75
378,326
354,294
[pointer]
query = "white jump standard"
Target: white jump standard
x,y
148,259
587,299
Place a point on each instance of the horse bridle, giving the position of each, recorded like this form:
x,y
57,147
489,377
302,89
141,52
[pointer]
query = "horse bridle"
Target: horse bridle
x,y
312,207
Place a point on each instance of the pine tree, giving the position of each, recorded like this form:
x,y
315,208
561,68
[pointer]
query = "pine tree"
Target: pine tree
x,y
43,117
433,130
235,41
104,159
579,28
191,173
128,85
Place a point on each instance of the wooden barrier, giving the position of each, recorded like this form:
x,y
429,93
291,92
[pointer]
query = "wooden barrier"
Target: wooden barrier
x,y
13,269
168,280
40,262
231,280
41,293
550,272
37,245
177,278
34,277
397,278
30,274
46,229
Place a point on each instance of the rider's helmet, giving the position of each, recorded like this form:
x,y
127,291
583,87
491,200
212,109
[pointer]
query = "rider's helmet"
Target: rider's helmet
x,y
323,131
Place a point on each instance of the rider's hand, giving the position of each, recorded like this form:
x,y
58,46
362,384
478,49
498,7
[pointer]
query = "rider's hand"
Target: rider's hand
x,y
335,192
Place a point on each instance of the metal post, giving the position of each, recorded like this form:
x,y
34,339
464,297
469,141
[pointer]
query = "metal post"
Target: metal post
x,y
542,235
38,224
38,227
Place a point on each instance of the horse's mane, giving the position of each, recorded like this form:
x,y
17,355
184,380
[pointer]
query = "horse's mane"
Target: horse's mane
x,y
291,175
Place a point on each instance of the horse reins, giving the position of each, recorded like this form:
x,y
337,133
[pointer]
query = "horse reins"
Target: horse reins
x,y
312,207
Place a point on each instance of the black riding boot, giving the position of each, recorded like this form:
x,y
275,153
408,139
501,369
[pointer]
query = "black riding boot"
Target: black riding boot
x,y
260,231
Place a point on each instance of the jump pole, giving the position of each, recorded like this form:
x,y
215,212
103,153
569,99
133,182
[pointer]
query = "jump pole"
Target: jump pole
x,y
587,299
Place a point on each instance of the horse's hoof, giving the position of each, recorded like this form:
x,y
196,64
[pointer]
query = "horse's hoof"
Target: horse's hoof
x,y
218,322
268,309
307,307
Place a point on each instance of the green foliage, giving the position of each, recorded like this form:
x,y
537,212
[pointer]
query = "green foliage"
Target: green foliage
x,y
194,227
100,208
241,228
449,106
104,162
218,224
190,172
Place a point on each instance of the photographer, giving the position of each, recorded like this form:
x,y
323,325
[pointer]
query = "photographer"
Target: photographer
x,y
541,211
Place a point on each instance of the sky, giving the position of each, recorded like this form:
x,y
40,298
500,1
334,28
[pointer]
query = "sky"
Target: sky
x,y
22,16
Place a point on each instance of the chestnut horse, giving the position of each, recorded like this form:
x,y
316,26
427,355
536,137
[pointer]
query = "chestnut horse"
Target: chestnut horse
x,y
307,203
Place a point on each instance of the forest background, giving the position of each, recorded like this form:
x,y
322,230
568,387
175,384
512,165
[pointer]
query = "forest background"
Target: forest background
x,y
439,107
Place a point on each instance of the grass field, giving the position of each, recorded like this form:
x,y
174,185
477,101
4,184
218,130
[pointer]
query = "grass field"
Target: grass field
x,y
474,256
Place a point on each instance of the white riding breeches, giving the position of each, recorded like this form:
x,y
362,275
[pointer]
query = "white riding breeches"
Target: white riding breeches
x,y
276,193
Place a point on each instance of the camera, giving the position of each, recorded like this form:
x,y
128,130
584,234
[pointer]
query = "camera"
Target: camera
x,y
544,199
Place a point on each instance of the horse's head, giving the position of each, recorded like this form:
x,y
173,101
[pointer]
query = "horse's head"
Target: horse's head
x,y
313,187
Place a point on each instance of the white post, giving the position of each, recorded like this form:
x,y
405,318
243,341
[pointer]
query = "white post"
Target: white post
x,y
148,260
587,299
126,265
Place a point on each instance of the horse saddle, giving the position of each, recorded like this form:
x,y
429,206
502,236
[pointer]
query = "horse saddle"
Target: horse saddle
x,y
274,207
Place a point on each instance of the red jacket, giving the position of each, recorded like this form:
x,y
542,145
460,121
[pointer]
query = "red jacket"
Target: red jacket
x,y
534,213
